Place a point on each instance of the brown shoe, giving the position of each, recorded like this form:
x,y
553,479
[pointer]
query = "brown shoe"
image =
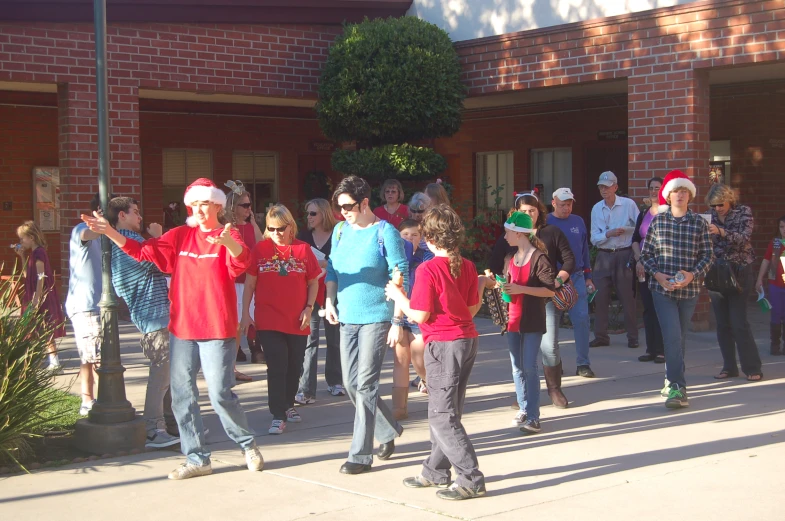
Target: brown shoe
x,y
258,358
553,382
240,377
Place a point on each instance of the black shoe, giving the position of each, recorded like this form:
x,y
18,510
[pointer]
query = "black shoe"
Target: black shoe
x,y
386,450
646,358
420,482
241,356
585,371
599,343
659,359
458,493
354,468
632,344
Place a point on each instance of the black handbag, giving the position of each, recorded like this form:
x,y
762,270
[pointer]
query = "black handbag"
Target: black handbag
x,y
722,278
497,307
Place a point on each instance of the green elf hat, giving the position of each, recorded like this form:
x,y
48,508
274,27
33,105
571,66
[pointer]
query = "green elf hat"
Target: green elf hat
x,y
520,222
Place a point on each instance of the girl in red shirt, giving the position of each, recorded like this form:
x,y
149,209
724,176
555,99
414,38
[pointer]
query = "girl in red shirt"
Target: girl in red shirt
x,y
772,266
283,278
444,300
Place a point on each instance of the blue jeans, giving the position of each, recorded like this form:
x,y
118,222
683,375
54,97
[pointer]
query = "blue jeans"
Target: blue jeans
x,y
524,349
362,354
332,364
579,316
674,316
216,359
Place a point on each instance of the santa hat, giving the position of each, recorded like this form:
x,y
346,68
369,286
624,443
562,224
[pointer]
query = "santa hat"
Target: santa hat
x,y
201,190
675,179
520,222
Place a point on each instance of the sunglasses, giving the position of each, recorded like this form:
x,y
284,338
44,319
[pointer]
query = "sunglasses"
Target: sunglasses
x,y
245,205
416,211
273,229
717,205
348,206
313,214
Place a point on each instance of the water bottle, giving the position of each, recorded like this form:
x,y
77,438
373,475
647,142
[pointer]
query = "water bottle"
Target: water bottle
x,y
678,278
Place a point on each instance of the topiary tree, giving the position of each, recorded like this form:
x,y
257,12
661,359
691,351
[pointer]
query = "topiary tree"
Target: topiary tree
x,y
386,83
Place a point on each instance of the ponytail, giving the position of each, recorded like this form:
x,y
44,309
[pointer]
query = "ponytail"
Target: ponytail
x,y
456,262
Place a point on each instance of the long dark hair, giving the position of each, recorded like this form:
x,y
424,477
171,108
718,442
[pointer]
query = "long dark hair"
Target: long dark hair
x,y
531,200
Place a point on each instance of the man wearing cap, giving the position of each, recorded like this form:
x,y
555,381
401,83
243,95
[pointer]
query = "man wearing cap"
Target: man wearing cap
x,y
574,229
612,224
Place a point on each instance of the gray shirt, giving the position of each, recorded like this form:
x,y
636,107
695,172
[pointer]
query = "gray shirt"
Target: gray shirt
x,y
84,280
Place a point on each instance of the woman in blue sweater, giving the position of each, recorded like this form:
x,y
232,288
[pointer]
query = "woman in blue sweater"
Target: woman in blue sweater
x,y
365,252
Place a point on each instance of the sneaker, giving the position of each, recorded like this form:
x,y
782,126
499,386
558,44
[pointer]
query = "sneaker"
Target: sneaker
x,y
159,439
420,482
277,427
519,419
666,390
531,427
253,458
456,492
677,398
85,409
584,371
189,470
55,369
293,416
336,390
302,399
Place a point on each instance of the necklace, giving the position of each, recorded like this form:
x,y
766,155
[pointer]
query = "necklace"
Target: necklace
x,y
391,214
279,257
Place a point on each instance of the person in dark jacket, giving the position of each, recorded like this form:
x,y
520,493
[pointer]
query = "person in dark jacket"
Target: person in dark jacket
x,y
561,257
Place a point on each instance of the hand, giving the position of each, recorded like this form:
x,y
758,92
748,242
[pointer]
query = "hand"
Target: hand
x,y
664,282
330,314
616,232
639,271
245,322
394,292
512,289
590,286
224,239
305,317
688,278
713,229
759,285
155,230
487,282
19,251
97,223
322,263
395,335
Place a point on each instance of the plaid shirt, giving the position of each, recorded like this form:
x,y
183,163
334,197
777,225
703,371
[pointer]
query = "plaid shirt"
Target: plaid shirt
x,y
677,244
736,246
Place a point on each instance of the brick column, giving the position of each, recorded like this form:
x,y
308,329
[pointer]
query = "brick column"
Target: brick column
x,y
124,147
668,128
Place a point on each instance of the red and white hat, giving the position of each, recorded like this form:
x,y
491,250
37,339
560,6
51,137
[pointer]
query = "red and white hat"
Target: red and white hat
x,y
202,190
675,179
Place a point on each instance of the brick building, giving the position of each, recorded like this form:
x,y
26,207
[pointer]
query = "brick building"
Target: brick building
x,y
226,88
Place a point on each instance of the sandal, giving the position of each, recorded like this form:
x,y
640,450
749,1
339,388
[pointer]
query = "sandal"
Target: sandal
x,y
754,377
659,359
725,374
422,387
240,377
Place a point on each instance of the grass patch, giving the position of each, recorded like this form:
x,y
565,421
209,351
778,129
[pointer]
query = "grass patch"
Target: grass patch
x,y
62,413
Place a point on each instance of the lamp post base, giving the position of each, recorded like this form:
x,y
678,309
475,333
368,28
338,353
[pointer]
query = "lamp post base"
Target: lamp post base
x,y
97,438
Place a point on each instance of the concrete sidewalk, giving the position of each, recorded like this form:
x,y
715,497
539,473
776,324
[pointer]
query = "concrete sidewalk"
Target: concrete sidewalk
x,y
615,452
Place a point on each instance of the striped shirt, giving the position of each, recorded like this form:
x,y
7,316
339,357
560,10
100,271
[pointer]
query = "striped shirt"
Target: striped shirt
x,y
142,286
674,244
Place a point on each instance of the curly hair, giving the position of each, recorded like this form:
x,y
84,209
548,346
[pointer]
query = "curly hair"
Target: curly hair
x,y
442,227
720,193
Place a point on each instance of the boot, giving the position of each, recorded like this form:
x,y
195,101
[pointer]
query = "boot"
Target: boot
x,y
400,399
776,334
553,382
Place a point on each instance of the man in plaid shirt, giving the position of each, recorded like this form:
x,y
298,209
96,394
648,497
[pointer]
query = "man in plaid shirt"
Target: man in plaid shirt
x,y
677,253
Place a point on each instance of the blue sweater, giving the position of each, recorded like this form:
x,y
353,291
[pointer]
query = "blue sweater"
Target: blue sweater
x,y
142,287
575,230
361,272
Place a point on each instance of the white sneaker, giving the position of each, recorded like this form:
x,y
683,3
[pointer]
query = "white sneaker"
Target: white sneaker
x,y
519,419
293,416
55,369
301,399
85,409
159,439
189,470
336,390
277,427
253,458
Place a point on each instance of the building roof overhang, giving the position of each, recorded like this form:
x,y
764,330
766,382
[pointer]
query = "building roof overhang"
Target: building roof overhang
x,y
205,11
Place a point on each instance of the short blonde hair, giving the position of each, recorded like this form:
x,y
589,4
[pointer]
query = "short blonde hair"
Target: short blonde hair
x,y
280,214
390,183
31,229
720,193
324,208
681,189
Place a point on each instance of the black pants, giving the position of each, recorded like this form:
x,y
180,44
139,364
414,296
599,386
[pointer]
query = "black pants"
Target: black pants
x,y
651,323
284,353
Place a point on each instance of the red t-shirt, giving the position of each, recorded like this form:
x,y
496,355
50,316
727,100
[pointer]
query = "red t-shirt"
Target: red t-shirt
x,y
281,293
394,218
249,238
520,276
204,301
446,299
777,281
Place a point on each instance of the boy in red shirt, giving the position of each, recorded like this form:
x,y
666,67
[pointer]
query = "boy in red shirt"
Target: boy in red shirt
x,y
771,263
444,300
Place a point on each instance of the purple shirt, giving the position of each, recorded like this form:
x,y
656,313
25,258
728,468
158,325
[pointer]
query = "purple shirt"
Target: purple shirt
x,y
644,229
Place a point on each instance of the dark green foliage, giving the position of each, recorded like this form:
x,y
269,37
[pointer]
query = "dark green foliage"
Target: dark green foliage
x,y
391,81
390,161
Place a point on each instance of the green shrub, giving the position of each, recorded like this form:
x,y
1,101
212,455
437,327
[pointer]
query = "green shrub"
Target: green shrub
x,y
27,400
390,161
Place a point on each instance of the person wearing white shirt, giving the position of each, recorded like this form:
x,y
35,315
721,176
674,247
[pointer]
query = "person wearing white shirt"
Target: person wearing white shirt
x,y
612,224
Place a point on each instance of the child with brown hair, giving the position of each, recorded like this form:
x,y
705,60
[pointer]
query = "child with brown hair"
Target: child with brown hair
x,y
444,301
39,285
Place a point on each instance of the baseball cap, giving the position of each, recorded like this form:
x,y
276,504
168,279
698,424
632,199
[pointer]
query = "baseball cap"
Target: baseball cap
x,y
607,178
563,194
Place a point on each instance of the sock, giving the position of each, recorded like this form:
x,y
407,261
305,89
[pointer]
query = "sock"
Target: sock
x,y
53,359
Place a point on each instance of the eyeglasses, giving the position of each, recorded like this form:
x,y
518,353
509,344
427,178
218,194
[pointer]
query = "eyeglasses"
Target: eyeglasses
x,y
416,211
245,205
313,214
272,229
348,206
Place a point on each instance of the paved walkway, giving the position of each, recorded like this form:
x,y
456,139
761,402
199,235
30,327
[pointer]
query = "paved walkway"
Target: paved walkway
x,y
615,452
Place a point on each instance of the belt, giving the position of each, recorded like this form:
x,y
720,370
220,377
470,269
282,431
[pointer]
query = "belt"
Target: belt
x,y
614,250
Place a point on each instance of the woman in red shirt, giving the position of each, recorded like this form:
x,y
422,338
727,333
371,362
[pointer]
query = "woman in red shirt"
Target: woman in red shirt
x,y
392,211
283,278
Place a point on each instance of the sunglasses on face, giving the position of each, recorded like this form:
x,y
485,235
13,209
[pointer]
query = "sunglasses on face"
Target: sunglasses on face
x,y
245,205
273,229
313,214
717,205
416,211
348,206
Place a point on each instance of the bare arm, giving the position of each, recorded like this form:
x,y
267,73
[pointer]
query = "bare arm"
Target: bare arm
x,y
38,298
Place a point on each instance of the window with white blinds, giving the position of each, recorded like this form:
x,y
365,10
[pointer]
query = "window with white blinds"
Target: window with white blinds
x,y
495,179
259,173
552,168
182,166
